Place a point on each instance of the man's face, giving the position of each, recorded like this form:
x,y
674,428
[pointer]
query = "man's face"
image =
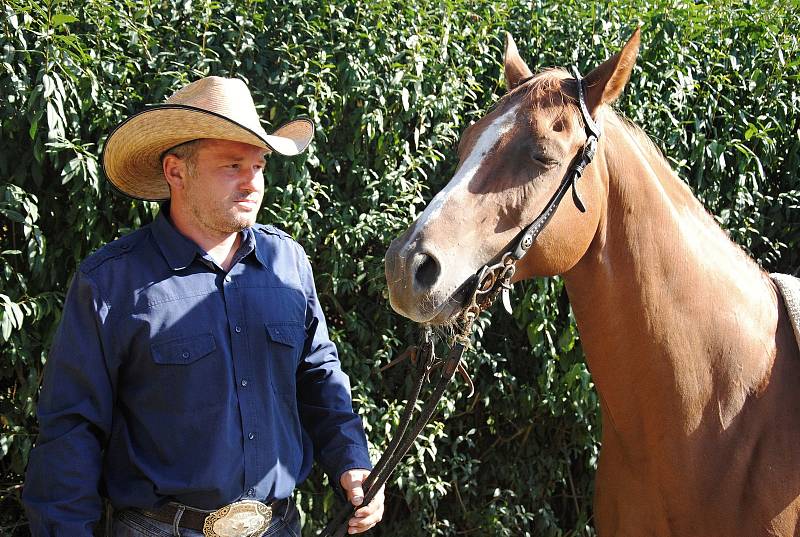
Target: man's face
x,y
225,186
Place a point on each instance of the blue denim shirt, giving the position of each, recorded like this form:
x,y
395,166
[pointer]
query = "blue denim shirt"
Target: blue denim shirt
x,y
171,380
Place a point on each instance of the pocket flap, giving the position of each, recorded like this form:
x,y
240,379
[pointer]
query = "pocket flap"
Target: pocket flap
x,y
183,350
287,334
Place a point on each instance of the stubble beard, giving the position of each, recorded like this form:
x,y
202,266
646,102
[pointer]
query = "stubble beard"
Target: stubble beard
x,y
221,219
240,222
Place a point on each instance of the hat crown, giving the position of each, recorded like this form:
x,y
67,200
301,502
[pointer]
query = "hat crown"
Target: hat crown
x,y
228,97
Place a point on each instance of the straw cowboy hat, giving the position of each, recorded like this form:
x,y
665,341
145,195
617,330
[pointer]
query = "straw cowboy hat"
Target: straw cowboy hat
x,y
212,107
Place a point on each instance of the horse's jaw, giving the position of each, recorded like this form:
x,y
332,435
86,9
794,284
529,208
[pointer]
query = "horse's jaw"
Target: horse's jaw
x,y
446,312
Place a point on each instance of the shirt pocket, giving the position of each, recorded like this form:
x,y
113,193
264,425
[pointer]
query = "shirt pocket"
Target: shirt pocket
x,y
285,342
183,350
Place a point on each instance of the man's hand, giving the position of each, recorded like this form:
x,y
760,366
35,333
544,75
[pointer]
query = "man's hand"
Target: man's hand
x,y
367,516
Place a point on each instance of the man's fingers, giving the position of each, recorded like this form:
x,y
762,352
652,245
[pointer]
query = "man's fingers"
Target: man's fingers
x,y
356,494
367,516
357,525
367,510
352,482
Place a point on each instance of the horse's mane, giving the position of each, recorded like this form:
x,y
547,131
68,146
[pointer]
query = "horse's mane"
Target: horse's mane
x,y
645,142
681,191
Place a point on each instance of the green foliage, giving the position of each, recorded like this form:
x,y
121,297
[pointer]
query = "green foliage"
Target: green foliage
x,y
390,85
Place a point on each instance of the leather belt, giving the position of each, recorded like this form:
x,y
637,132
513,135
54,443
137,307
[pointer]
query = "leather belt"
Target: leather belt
x,y
195,519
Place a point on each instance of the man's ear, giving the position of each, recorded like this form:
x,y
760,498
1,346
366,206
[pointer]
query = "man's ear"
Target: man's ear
x,y
605,84
515,68
175,171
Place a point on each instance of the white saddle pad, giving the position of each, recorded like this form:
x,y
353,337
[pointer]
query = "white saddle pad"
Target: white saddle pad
x,y
790,289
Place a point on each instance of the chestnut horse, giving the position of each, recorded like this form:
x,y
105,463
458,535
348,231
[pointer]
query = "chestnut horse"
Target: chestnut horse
x,y
687,339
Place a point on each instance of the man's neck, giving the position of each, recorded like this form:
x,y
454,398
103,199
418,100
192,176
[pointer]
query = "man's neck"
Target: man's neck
x,y
220,246
223,252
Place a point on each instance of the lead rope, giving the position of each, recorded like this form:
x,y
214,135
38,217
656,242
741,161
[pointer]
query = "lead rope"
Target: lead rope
x,y
485,291
405,436
489,283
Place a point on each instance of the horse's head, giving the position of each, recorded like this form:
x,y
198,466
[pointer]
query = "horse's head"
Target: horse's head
x,y
511,162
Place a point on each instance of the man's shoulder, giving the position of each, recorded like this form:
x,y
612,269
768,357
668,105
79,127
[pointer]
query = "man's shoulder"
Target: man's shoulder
x,y
281,239
275,244
270,230
115,249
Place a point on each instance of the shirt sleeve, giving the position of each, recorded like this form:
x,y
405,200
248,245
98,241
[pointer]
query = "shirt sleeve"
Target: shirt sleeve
x,y
326,409
61,492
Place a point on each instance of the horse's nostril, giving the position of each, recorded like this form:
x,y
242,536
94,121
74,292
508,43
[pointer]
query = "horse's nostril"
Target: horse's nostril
x,y
427,271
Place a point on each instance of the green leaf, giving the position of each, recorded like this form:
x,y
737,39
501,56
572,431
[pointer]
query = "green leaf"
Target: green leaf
x,y
13,215
5,325
62,18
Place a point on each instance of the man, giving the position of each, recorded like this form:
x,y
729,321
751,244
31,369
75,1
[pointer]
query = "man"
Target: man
x,y
192,381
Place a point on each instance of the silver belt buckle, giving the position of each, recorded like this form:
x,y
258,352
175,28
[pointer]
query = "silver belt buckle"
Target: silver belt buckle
x,y
245,518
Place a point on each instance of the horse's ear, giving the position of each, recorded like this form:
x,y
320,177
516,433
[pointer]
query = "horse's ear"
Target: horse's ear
x,y
606,82
515,67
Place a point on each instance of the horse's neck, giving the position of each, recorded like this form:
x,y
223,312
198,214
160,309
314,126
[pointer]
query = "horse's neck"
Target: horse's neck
x,y
674,318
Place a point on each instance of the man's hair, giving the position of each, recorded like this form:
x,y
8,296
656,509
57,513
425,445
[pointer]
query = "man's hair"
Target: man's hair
x,y
186,152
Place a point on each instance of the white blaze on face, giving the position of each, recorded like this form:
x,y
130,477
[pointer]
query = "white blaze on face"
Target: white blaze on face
x,y
460,181
456,263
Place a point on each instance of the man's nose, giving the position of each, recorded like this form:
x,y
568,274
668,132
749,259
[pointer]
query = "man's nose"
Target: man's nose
x,y
252,179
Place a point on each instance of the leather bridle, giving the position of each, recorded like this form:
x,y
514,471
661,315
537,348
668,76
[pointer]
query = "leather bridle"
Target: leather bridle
x,y
493,279
489,282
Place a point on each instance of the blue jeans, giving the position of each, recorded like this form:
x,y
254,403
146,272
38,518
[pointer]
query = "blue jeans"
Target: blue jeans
x,y
129,523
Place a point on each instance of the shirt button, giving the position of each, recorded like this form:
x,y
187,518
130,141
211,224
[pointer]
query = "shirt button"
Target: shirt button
x,y
227,278
251,436
251,492
185,354
244,383
238,329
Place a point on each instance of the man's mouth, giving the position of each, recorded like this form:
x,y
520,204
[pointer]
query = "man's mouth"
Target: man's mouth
x,y
247,203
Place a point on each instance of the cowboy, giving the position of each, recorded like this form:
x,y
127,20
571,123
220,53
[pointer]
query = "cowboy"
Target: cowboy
x,y
192,381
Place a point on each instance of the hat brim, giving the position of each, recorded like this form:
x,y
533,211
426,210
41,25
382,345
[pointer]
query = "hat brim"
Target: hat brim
x,y
132,154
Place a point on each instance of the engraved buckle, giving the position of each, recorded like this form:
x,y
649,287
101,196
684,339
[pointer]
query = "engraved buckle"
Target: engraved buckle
x,y
245,518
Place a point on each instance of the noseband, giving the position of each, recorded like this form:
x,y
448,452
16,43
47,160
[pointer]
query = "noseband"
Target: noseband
x,y
492,280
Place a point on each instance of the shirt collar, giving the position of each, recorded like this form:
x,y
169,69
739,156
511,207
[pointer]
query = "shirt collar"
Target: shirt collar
x,y
250,244
179,251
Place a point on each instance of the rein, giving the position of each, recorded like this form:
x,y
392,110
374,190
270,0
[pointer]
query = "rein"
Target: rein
x,y
489,282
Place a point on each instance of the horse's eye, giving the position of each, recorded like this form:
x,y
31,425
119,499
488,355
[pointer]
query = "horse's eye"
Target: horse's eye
x,y
543,161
